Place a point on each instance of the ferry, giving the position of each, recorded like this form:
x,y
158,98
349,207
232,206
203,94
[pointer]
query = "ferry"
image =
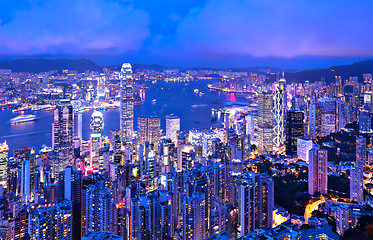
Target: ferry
x,y
23,118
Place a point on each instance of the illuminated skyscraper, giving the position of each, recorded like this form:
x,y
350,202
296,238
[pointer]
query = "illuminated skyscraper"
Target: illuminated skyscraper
x,y
356,172
194,215
63,135
51,222
172,127
317,170
331,115
265,123
294,130
126,103
149,130
315,120
3,164
256,202
279,113
97,129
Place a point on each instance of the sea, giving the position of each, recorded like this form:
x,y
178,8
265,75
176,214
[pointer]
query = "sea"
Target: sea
x,y
161,99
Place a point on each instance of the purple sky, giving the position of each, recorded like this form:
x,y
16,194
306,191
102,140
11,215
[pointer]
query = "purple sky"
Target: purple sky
x,y
285,33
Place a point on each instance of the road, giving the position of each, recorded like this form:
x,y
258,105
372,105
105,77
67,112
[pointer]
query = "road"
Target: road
x,y
312,207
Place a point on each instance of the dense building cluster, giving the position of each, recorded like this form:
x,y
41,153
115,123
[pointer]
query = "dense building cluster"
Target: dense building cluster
x,y
209,183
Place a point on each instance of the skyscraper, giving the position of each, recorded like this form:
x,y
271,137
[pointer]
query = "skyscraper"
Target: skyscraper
x,y
256,202
317,170
126,103
172,127
315,120
97,130
294,130
194,215
51,222
331,115
265,123
63,135
356,172
279,113
97,206
3,164
149,130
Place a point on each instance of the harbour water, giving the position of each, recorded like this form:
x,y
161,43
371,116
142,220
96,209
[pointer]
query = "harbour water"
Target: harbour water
x,y
178,98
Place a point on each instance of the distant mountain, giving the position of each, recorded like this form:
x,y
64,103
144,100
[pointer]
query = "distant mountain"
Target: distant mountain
x,y
44,65
345,71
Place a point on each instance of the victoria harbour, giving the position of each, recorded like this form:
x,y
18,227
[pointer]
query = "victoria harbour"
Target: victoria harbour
x,y
172,98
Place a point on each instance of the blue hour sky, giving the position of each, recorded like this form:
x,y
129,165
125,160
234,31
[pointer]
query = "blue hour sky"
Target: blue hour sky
x,y
283,33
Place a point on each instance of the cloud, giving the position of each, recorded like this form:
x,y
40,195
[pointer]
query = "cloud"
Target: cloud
x,y
284,28
73,27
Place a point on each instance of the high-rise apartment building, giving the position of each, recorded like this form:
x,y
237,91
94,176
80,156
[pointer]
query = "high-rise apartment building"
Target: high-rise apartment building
x,y
317,170
314,122
194,215
256,201
52,221
356,172
126,103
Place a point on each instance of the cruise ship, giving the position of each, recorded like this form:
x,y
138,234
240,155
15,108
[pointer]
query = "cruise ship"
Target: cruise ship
x,y
23,118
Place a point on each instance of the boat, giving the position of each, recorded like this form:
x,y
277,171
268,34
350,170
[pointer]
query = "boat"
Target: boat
x,y
197,122
196,90
154,100
201,93
23,118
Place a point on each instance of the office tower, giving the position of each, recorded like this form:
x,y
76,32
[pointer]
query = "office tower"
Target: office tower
x,y
97,130
279,113
294,130
149,130
101,87
194,215
249,125
126,103
79,128
265,123
162,226
330,115
245,146
154,131
97,205
187,158
256,202
142,130
172,127
25,181
303,147
315,126
317,170
141,216
51,221
63,135
3,165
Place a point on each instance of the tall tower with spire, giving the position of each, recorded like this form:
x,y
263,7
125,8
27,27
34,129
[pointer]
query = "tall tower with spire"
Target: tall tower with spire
x,y
279,112
126,103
